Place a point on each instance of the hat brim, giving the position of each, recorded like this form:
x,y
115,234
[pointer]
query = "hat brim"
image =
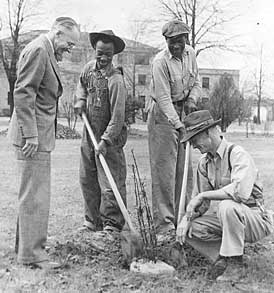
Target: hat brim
x,y
191,134
119,44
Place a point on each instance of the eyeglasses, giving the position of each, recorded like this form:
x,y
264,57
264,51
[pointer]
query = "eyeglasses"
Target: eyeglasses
x,y
70,45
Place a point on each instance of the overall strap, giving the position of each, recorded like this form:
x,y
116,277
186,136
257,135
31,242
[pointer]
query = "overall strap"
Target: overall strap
x,y
230,148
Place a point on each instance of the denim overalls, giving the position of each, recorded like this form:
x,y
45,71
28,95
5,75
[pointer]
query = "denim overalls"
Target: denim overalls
x,y
101,208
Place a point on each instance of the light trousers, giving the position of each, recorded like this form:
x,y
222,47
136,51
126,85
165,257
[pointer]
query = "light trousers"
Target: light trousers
x,y
167,157
34,203
225,232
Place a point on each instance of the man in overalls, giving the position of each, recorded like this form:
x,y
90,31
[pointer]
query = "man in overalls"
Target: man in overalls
x,y
101,93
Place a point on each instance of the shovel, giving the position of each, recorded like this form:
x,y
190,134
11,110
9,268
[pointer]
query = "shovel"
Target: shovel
x,y
131,241
182,204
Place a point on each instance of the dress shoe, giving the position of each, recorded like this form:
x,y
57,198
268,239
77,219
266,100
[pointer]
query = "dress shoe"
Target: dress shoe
x,y
44,265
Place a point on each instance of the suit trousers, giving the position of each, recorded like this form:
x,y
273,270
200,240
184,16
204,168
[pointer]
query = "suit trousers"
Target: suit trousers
x,y
225,232
167,157
101,207
34,202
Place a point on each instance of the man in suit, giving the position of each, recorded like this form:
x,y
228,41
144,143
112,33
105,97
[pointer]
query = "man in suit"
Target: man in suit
x,y
32,132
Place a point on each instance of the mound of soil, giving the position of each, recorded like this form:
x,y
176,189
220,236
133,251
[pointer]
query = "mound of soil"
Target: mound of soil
x,y
64,132
4,132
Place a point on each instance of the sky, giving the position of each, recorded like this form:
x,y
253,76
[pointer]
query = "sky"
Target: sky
x,y
254,28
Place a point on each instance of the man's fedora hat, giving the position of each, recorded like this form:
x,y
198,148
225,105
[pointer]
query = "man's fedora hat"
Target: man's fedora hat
x,y
119,44
197,122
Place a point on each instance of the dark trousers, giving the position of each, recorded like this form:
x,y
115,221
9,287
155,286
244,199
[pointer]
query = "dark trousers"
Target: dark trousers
x,y
101,208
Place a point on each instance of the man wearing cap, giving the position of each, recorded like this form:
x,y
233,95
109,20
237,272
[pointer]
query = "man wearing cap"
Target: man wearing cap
x,y
175,89
226,175
32,132
101,93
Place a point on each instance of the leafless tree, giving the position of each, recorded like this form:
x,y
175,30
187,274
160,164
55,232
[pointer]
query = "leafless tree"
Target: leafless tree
x,y
19,13
259,83
226,101
206,19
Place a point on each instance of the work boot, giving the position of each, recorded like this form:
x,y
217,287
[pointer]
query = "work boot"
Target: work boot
x,y
217,268
87,227
102,240
234,271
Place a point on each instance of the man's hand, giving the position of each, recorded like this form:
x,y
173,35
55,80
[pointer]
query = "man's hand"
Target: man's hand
x,y
80,107
190,106
183,228
102,148
31,146
182,132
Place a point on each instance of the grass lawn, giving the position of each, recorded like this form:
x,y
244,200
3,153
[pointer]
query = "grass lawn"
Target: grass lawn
x,y
90,271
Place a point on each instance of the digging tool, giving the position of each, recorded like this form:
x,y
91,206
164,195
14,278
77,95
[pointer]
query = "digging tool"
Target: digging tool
x,y
182,204
131,242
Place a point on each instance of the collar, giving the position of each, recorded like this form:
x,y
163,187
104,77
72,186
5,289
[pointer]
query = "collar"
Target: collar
x,y
220,151
51,44
185,53
105,72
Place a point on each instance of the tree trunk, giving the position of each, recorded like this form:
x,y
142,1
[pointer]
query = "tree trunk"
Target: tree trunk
x,y
11,95
259,110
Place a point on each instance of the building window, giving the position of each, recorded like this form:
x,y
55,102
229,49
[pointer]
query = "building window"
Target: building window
x,y
205,82
142,79
141,60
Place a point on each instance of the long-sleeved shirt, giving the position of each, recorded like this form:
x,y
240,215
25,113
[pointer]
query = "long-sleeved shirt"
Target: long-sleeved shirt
x,y
117,98
174,80
241,182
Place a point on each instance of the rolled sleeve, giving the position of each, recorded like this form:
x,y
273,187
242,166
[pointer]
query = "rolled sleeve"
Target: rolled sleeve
x,y
196,91
162,92
30,73
81,89
243,175
117,95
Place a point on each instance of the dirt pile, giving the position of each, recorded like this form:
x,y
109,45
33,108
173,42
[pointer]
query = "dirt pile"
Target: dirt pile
x,y
4,132
64,132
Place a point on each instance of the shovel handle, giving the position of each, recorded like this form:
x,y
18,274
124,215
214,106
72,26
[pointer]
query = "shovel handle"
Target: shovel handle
x,y
109,176
182,204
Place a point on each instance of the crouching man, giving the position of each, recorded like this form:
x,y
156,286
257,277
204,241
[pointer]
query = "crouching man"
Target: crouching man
x,y
226,175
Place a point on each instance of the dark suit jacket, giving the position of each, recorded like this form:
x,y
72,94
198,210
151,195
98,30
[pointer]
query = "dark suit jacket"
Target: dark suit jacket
x,y
36,93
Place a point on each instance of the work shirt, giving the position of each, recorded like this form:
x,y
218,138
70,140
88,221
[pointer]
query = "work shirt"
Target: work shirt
x,y
239,179
105,94
174,80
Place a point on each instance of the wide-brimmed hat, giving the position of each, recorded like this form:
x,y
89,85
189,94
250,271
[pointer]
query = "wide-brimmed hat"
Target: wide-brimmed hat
x,y
174,28
197,122
119,44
